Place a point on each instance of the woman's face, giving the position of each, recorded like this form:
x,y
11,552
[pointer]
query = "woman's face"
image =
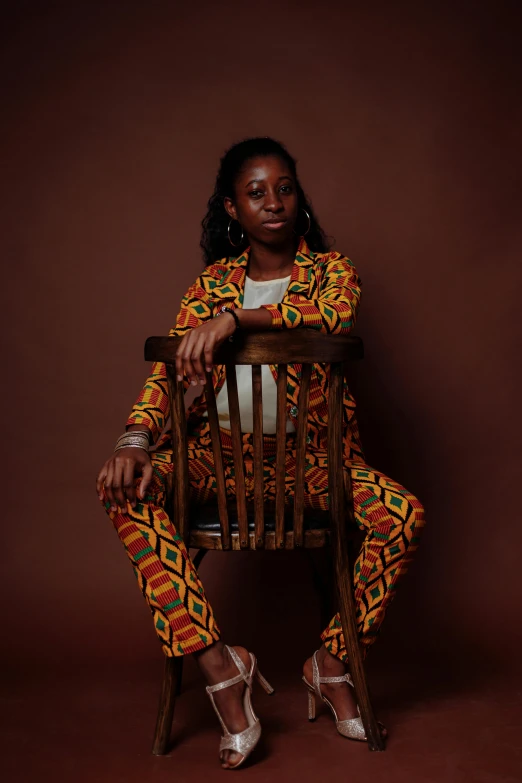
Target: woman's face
x,y
265,200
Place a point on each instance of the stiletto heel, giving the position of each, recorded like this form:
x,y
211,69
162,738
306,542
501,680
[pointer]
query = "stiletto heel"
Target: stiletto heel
x,y
264,683
311,705
352,727
245,741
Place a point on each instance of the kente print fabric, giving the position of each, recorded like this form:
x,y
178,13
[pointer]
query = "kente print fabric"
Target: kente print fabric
x,y
324,293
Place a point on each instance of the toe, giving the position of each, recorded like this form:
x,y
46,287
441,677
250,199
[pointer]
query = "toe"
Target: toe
x,y
234,758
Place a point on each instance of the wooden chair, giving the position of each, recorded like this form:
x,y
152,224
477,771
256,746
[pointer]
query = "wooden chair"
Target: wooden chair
x,y
227,525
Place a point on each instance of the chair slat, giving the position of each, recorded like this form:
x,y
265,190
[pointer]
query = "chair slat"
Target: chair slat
x,y
302,421
342,570
259,483
237,453
218,461
282,376
179,437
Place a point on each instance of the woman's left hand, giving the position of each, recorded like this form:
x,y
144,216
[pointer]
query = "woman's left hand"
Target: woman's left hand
x,y
196,351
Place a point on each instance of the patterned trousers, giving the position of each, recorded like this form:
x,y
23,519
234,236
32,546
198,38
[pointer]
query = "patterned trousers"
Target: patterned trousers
x,y
389,514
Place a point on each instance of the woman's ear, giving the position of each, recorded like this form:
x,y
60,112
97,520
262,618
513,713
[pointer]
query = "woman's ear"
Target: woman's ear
x,y
230,208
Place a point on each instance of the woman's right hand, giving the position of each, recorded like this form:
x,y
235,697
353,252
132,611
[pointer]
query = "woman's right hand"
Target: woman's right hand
x,y
118,474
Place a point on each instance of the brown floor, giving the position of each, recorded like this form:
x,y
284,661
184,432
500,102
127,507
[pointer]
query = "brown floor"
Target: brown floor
x,y
95,724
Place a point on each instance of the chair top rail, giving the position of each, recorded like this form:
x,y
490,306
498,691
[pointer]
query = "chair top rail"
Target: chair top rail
x,y
276,347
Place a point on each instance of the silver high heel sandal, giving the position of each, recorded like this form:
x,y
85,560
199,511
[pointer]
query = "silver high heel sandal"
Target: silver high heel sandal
x,y
245,741
352,727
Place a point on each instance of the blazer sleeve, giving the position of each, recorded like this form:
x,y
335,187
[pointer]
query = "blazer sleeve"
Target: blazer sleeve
x,y
333,306
152,406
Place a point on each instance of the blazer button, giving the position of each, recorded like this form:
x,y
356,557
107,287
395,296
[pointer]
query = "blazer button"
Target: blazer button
x,y
293,410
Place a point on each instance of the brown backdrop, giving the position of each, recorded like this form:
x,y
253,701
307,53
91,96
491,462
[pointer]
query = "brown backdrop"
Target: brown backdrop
x,y
406,124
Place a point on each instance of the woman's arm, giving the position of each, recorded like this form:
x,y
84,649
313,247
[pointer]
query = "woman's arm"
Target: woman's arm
x,y
151,408
149,413
333,309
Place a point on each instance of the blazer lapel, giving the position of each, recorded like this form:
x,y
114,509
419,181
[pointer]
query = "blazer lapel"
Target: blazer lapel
x,y
231,287
301,273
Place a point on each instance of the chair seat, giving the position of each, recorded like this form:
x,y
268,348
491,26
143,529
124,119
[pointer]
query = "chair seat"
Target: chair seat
x,y
205,518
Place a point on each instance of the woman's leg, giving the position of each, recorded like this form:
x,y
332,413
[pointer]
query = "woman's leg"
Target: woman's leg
x,y
183,618
393,519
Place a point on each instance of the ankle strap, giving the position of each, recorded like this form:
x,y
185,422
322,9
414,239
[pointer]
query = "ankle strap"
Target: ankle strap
x,y
243,674
317,679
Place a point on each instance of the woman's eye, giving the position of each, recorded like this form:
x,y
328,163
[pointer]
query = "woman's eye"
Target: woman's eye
x,y
286,188
255,193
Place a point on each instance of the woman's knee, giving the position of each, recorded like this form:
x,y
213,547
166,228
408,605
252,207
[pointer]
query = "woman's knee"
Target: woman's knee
x,y
415,521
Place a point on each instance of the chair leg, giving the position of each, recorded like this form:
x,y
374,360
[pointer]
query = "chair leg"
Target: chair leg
x,y
344,590
169,690
351,640
179,679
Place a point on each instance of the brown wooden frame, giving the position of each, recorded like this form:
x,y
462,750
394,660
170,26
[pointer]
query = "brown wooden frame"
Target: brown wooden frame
x,y
307,347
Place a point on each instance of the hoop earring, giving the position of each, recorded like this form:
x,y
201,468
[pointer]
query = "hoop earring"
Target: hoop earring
x,y
242,235
309,223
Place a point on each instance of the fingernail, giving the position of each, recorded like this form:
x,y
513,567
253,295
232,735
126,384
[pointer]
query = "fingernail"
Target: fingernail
x,y
113,508
202,380
194,383
179,378
208,369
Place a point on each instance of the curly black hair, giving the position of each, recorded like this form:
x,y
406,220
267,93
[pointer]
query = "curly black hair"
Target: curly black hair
x,y
214,237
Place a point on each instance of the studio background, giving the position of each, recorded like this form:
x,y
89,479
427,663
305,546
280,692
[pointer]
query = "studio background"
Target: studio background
x,y
405,120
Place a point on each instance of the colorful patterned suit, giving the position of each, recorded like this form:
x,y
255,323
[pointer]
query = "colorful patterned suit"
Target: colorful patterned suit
x,y
324,294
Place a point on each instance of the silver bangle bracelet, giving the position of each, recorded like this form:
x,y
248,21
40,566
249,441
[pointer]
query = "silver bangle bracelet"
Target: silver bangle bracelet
x,y
131,446
137,439
143,437
138,434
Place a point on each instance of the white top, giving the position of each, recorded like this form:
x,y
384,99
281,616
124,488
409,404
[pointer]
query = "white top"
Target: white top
x,y
256,293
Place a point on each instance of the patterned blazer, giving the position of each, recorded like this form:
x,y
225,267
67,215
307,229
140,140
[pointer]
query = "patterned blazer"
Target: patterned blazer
x,y
323,294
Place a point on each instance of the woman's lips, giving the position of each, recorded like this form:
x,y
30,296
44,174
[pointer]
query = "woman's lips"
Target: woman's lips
x,y
275,226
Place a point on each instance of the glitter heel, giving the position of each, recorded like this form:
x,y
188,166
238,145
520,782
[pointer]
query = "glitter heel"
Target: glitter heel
x,y
352,727
245,741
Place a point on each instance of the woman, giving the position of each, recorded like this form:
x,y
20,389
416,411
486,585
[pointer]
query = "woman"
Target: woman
x,y
261,273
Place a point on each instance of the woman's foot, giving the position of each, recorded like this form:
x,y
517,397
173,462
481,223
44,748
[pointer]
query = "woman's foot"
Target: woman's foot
x,y
217,665
340,694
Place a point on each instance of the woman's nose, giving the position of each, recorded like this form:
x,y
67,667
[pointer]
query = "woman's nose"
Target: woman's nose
x,y
273,202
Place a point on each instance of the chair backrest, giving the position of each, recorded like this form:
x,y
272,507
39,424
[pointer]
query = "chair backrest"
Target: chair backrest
x,y
304,346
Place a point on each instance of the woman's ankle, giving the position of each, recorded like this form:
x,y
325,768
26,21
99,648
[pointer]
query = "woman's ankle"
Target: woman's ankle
x,y
329,662
212,660
216,663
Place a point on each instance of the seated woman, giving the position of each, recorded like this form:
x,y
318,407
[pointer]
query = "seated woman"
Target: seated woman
x,y
261,273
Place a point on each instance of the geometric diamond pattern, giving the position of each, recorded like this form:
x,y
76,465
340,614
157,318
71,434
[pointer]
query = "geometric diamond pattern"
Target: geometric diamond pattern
x,y
323,294
392,517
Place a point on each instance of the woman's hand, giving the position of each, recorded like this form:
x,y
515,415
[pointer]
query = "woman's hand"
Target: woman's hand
x,y
196,351
117,477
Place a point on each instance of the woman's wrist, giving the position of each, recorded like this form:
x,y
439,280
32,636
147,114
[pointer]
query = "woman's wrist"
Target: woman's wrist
x,y
134,438
138,440
234,320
